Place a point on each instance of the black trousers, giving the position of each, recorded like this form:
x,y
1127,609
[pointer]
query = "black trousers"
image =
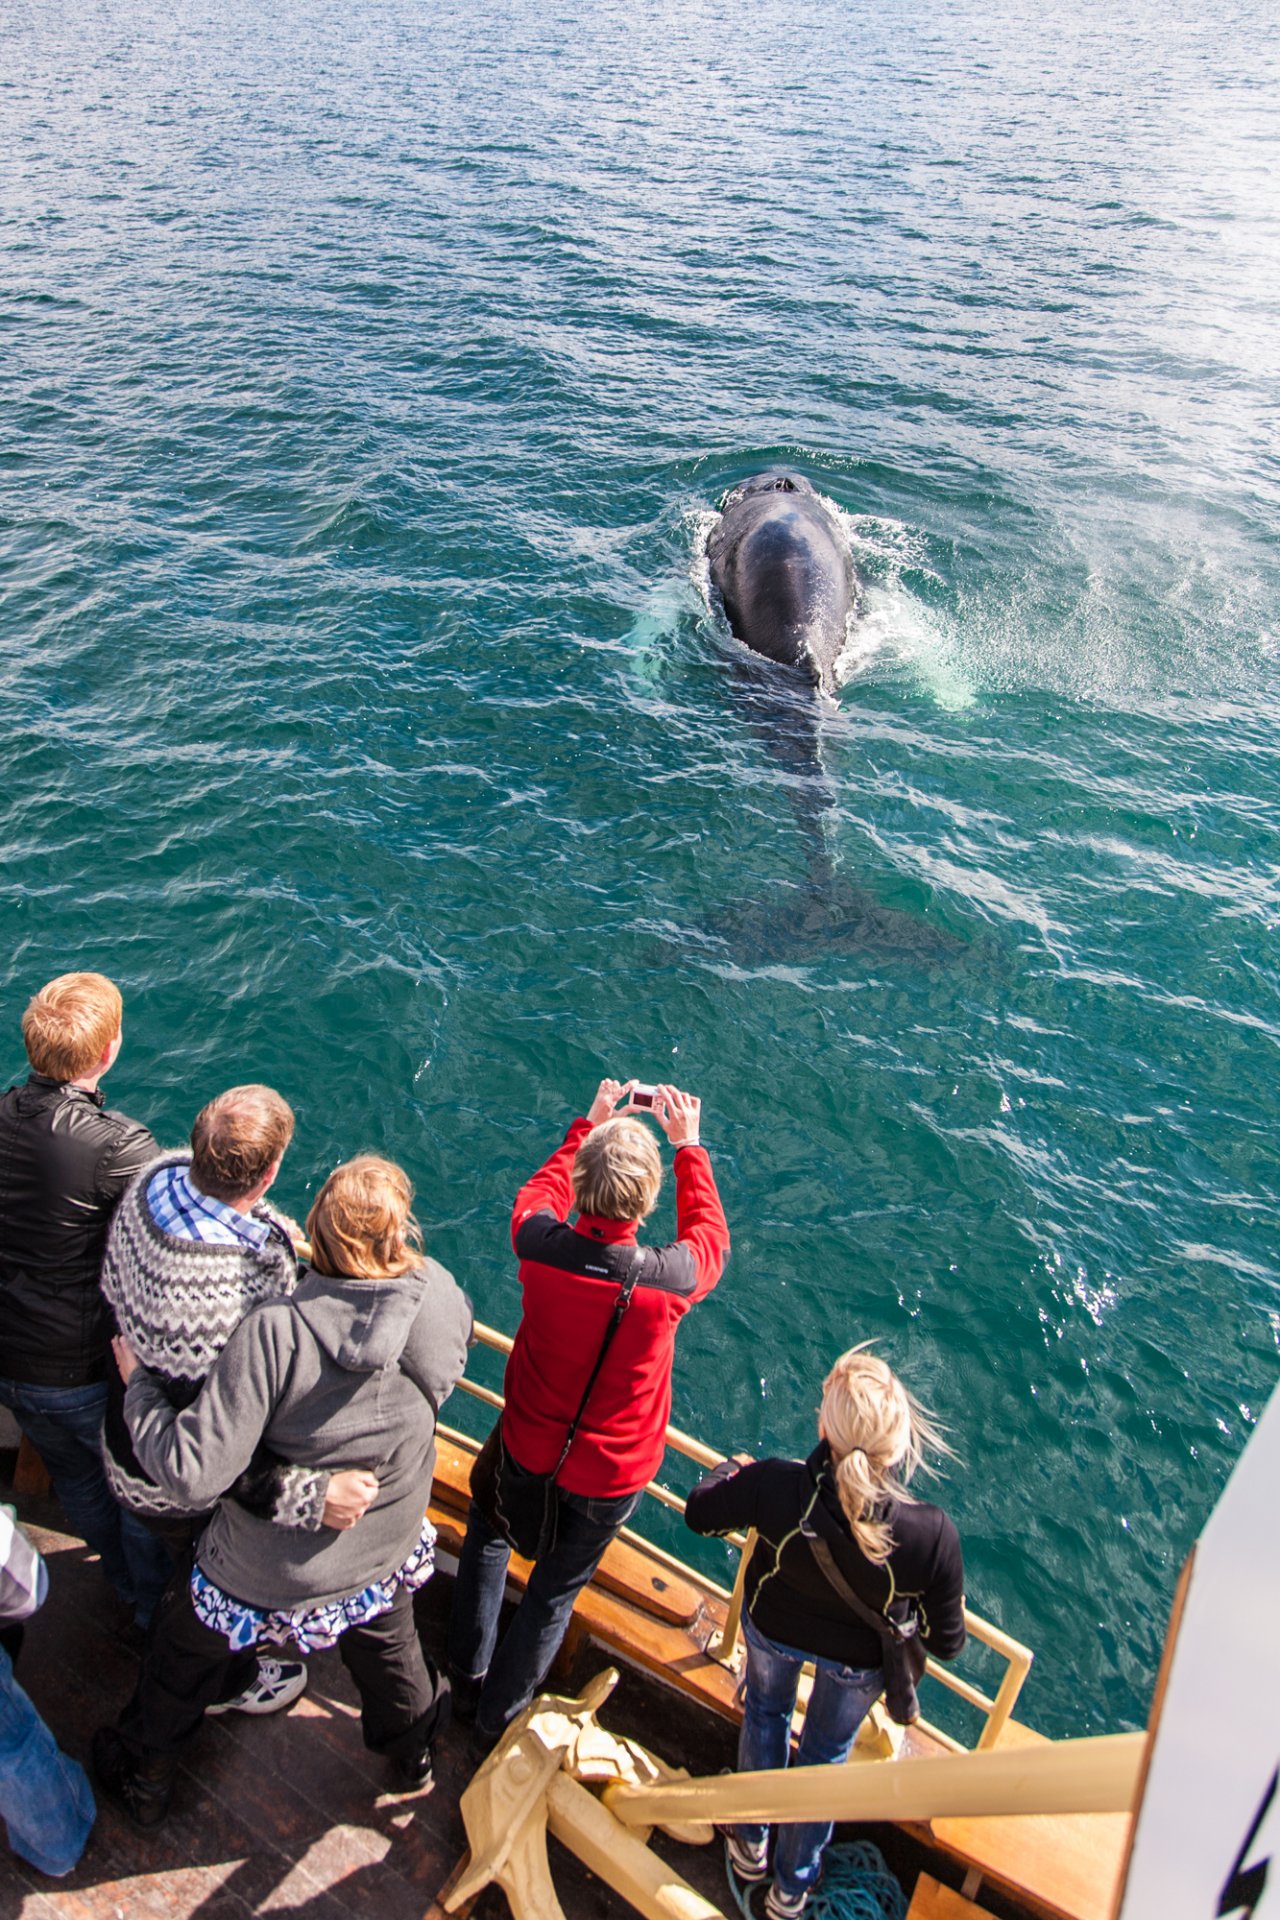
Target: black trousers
x,y
404,1701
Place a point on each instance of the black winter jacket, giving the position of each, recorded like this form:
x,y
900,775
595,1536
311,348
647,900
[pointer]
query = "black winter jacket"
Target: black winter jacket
x,y
65,1160
789,1598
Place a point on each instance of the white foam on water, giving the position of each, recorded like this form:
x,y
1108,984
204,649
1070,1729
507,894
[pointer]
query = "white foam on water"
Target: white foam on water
x,y
891,620
888,618
702,523
653,626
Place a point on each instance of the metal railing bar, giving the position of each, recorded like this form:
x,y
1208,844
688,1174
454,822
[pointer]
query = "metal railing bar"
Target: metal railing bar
x,y
1006,1697
996,1638
477,1392
954,1684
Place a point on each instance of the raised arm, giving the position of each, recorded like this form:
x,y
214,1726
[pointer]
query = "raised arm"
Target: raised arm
x,y
729,1497
700,1220
550,1190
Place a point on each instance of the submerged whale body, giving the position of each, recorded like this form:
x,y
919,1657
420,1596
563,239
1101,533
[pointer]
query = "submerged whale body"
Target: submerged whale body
x,y
784,576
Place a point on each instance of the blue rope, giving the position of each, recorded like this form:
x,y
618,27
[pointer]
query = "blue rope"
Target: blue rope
x,y
741,1893
855,1885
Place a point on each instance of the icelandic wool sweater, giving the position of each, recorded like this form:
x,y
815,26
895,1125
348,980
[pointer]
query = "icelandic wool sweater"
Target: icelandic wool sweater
x,y
177,1302
344,1373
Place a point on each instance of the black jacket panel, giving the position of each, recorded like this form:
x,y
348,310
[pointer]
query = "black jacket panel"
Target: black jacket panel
x,y
790,1599
65,1160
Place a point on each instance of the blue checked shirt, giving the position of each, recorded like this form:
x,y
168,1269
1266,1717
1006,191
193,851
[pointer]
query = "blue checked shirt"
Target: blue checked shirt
x,y
181,1209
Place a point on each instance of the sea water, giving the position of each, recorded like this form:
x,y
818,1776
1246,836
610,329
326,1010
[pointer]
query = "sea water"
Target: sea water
x,y
369,375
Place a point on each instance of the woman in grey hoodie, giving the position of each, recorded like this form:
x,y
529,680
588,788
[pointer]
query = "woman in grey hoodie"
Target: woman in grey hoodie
x,y
351,1368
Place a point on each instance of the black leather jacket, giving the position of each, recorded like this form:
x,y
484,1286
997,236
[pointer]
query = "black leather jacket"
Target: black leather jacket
x,y
65,1159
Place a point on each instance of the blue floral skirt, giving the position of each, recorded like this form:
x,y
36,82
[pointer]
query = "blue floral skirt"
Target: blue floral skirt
x,y
310,1628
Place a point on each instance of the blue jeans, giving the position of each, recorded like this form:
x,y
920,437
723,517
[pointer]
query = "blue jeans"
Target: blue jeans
x,y
45,1798
64,1425
841,1699
584,1528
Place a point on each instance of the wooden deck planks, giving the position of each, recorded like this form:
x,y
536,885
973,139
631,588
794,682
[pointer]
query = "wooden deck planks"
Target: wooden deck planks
x,y
280,1815
283,1816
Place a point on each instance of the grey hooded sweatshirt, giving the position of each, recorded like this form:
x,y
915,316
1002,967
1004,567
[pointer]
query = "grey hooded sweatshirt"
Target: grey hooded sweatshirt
x,y
344,1373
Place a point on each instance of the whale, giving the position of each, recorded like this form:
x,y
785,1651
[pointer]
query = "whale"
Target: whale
x,y
781,569
783,574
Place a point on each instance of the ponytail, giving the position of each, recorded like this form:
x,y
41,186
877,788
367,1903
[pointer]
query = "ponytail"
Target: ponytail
x,y
877,1433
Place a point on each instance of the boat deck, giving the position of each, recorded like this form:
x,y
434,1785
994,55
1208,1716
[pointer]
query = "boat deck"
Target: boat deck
x,y
283,1815
287,1815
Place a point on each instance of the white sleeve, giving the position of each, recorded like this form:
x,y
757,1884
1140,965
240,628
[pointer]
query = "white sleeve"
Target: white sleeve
x,y
24,1580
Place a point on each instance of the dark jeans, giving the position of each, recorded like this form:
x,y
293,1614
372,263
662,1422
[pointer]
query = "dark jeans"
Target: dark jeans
x,y
64,1425
584,1528
188,1667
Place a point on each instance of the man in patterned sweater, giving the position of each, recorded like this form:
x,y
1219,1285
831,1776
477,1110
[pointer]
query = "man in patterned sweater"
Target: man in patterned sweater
x,y
193,1245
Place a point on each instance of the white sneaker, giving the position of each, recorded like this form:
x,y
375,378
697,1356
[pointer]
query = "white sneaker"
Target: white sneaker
x,y
784,1906
749,1859
275,1686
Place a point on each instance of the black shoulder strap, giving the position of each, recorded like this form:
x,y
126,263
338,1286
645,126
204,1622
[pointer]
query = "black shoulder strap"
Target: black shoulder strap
x,y
620,1306
887,1628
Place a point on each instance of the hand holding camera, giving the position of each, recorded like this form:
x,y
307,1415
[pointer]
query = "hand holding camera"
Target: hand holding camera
x,y
608,1094
677,1113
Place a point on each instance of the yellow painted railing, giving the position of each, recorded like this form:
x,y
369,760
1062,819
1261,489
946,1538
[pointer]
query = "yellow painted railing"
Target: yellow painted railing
x,y
996,1709
1095,1775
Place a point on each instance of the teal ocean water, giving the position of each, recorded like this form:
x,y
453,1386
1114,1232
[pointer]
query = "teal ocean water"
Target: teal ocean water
x,y
369,376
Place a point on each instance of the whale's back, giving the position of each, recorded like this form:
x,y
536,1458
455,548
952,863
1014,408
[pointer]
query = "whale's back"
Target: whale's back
x,y
784,579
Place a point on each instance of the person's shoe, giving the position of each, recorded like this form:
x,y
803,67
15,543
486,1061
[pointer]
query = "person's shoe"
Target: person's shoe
x,y
748,1859
415,1776
784,1906
142,1787
275,1686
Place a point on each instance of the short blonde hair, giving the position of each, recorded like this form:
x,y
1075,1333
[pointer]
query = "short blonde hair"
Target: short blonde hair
x,y
70,1023
361,1223
237,1139
877,1432
617,1172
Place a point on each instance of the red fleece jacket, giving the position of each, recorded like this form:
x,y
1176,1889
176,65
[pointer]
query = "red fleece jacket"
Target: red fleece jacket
x,y
569,1278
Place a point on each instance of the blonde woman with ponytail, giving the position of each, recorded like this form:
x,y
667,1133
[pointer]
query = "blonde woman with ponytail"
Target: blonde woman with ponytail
x,y
899,1555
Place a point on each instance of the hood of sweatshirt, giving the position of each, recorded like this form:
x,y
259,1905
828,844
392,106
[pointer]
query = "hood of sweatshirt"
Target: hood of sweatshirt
x,y
363,1325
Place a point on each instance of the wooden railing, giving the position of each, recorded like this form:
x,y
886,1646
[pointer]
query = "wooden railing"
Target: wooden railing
x,y
996,1709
